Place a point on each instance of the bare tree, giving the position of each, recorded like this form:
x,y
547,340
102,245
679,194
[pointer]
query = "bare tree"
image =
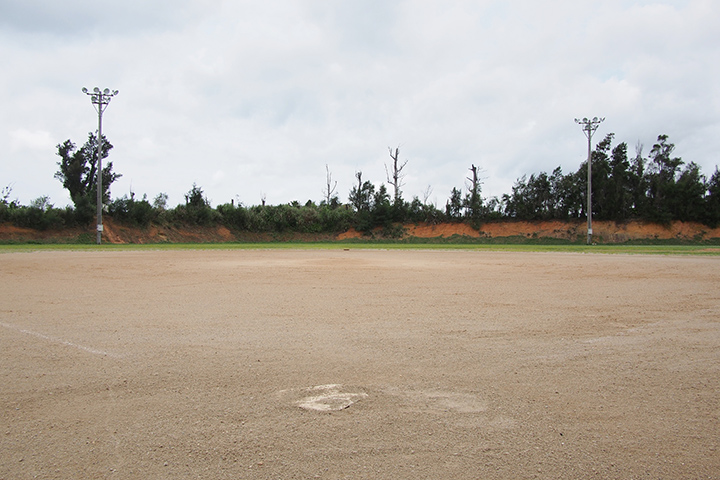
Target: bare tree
x,y
329,191
356,192
638,149
397,176
474,201
426,194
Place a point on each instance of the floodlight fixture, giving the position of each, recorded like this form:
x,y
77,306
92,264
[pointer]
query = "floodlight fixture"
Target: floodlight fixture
x,y
100,101
589,127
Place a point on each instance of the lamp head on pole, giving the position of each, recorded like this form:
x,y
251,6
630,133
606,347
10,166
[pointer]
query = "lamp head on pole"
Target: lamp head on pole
x,y
589,126
100,98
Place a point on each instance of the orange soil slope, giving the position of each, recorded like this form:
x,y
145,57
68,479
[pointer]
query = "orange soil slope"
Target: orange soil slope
x,y
603,232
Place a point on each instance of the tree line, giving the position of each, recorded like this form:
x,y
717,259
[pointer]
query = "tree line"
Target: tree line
x,y
659,188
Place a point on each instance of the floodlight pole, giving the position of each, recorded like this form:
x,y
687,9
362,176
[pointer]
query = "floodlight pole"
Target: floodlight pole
x,y
589,127
100,100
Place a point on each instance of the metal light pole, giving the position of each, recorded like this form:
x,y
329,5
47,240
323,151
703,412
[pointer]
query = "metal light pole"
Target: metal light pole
x,y
589,127
99,99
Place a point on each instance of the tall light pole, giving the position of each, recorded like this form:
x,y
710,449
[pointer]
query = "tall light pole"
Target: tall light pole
x,y
589,127
100,100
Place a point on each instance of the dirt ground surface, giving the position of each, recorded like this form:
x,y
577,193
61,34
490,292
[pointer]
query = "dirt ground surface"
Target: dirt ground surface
x,y
358,364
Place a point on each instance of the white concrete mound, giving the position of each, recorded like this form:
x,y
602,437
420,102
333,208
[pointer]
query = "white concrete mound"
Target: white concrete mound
x,y
327,398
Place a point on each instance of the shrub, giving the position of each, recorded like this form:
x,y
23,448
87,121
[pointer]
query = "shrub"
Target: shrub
x,y
234,217
132,212
36,218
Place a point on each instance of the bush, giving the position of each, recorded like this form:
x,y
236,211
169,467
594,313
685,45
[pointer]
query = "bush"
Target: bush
x,y
334,220
234,217
196,211
131,212
4,212
36,218
194,215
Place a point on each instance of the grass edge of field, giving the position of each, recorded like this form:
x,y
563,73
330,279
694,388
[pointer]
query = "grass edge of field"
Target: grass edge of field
x,y
657,249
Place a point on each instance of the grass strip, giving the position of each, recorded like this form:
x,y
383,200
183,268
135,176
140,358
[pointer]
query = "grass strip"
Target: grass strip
x,y
377,245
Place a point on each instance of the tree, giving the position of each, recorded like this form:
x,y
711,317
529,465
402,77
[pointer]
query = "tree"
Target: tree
x,y
197,208
397,176
361,196
329,191
78,170
712,200
662,172
42,203
688,201
560,192
531,199
5,194
601,188
621,184
453,207
541,200
160,201
639,184
473,201
196,198
5,204
381,208
426,194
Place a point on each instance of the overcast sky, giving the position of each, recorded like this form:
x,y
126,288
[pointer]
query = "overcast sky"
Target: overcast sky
x,y
252,99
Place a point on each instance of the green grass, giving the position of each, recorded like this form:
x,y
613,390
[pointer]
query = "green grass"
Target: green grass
x,y
657,249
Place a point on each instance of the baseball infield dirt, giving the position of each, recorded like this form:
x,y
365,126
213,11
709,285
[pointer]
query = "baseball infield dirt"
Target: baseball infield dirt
x,y
358,364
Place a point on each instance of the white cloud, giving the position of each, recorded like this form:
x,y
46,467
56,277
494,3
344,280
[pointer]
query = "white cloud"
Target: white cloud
x,y
268,93
22,139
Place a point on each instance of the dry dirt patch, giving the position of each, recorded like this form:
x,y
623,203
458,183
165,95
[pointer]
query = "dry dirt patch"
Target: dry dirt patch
x,y
436,364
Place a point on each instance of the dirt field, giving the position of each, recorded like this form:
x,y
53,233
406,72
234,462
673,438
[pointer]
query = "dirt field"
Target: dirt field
x,y
358,364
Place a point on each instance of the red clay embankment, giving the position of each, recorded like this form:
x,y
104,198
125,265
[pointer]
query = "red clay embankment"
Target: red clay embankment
x,y
603,232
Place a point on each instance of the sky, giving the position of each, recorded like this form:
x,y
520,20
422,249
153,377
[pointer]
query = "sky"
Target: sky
x,y
254,100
